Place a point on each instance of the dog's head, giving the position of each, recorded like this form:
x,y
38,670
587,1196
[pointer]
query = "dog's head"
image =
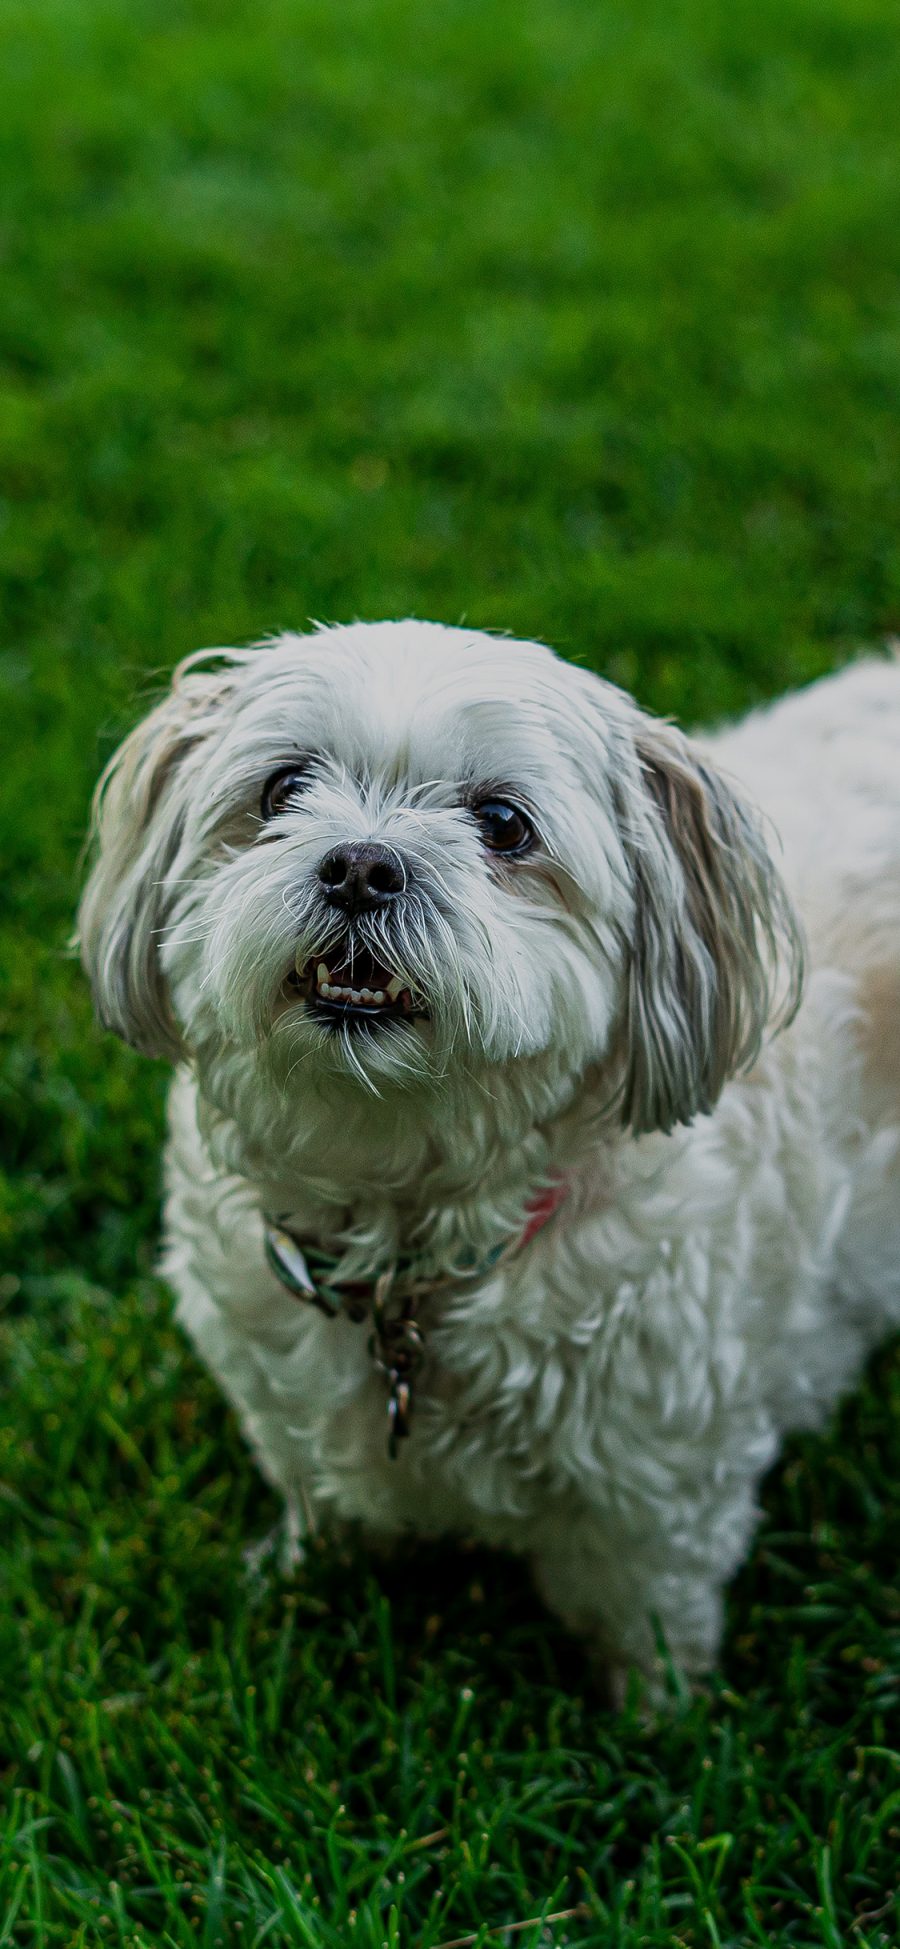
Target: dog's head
x,y
393,851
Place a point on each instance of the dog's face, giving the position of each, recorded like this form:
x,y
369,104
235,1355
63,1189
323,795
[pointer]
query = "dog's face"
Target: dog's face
x,y
392,852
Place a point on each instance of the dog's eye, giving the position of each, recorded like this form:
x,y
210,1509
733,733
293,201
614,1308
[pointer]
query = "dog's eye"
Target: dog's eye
x,y
504,829
282,788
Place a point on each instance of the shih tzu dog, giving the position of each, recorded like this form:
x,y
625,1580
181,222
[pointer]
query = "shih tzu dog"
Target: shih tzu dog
x,y
494,1202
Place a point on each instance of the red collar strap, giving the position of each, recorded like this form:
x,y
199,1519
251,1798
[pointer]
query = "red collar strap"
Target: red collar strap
x,y
541,1208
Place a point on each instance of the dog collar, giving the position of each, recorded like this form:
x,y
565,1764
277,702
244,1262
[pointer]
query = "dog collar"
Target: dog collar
x,y
391,1297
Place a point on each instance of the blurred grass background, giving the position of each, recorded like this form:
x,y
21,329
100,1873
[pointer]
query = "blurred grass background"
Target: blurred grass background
x,y
575,319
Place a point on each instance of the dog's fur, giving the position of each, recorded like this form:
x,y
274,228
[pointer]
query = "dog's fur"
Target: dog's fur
x,y
607,1400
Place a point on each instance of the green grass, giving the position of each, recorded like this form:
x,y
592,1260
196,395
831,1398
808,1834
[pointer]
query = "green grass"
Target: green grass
x,y
565,316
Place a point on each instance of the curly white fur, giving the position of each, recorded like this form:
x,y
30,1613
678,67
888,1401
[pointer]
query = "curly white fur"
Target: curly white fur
x,y
606,1401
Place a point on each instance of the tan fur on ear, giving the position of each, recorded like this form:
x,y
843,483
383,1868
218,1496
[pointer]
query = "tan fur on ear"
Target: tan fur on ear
x,y
716,953
136,835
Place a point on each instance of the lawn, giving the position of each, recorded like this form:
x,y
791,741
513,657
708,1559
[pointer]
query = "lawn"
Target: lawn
x,y
571,317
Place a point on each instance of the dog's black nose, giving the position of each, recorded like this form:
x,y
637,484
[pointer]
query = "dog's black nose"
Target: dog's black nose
x,y
357,877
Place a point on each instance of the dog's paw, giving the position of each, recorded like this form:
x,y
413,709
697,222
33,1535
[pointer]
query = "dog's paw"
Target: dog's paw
x,y
280,1552
648,1695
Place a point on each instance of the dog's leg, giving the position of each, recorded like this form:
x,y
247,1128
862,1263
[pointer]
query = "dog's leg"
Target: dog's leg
x,y
651,1606
227,1351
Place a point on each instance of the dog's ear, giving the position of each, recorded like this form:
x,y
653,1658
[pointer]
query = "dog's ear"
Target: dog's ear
x,y
136,829
716,951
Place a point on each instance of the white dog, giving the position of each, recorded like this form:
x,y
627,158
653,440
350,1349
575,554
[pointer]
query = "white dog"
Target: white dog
x,y
491,1204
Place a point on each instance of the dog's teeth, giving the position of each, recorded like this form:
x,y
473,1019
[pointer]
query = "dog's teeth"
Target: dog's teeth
x,y
338,991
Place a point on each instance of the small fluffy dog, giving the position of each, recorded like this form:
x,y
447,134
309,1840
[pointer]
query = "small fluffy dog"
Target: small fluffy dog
x,y
492,1202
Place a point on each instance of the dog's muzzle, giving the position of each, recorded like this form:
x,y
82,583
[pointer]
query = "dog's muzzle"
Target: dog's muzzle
x,y
349,985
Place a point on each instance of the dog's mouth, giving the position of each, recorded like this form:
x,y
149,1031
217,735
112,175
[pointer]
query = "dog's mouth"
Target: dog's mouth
x,y
355,989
